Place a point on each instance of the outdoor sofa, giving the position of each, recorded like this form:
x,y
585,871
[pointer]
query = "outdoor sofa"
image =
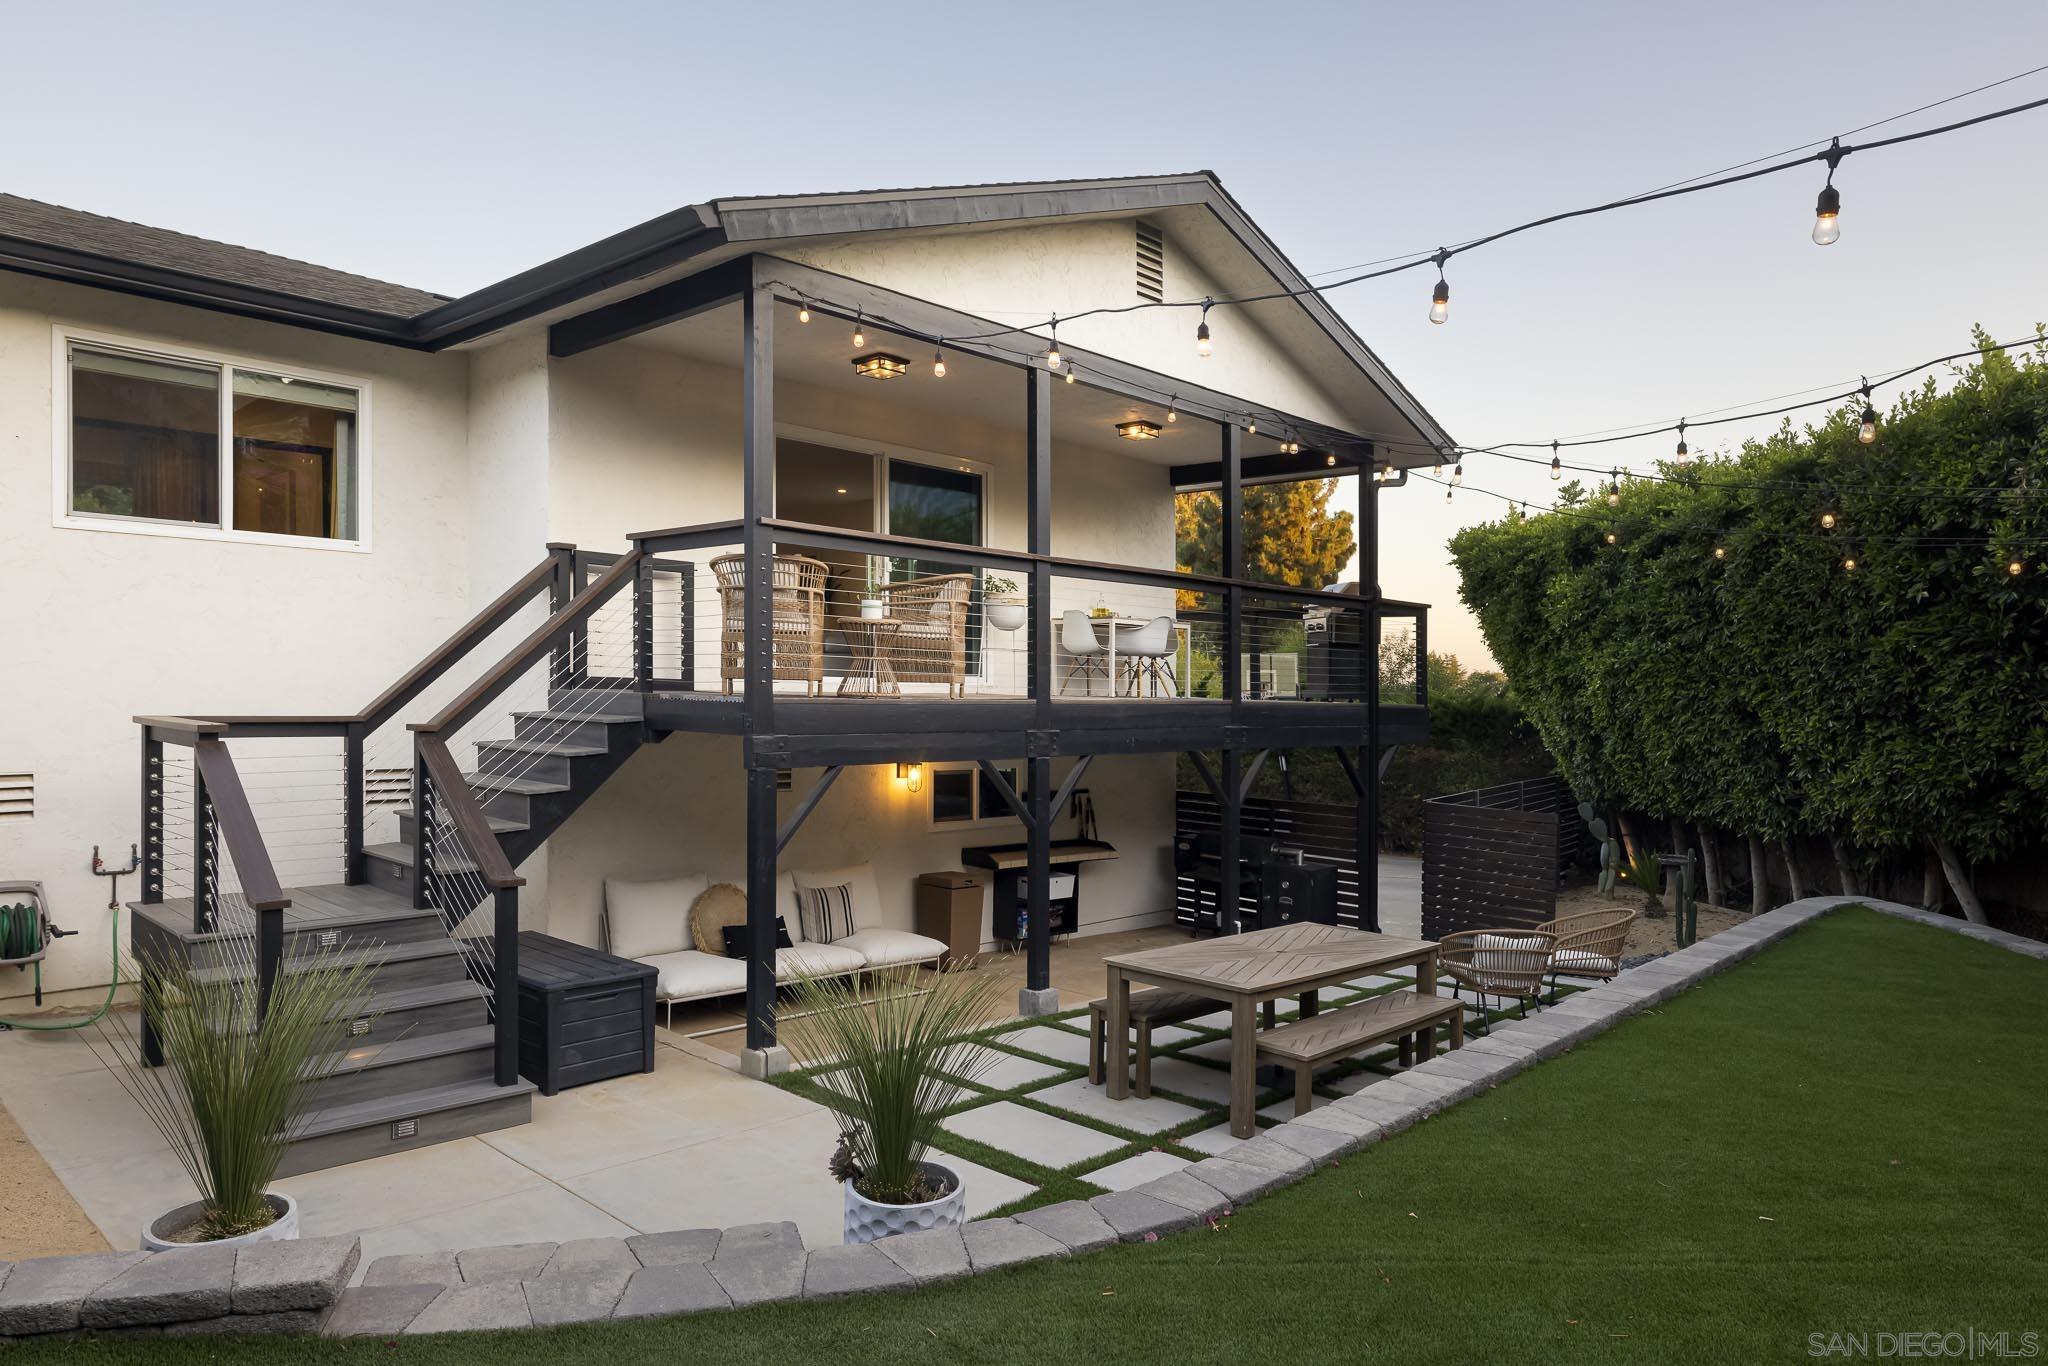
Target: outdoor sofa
x,y
650,923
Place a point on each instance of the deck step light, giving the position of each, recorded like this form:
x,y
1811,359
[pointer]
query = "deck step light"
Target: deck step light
x,y
1138,430
881,365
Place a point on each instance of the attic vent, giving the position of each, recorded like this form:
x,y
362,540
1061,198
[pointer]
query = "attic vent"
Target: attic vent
x,y
782,780
1151,262
387,786
17,796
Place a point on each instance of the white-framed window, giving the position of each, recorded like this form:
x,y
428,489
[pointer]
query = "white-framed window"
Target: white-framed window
x,y
960,796
173,441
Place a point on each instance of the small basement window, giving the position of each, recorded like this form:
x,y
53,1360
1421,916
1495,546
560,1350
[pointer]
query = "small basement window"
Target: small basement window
x,y
961,795
173,442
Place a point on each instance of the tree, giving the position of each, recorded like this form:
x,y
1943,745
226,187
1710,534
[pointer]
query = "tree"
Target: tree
x,y
1289,534
1707,651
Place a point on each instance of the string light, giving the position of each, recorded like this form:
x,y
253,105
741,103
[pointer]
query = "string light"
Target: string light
x,y
1556,465
1173,409
1437,468
860,337
1440,297
1682,455
939,360
1827,521
1614,489
1072,371
1720,552
1458,473
1610,538
2015,567
803,311
1827,210
1849,564
1867,432
1447,495
1251,426
1052,350
1202,331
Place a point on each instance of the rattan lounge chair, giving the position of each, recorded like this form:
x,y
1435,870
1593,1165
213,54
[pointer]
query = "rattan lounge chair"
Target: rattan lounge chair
x,y
1510,964
1589,944
799,620
930,643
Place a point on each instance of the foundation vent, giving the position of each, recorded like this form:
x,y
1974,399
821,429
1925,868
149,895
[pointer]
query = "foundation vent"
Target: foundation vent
x,y
1151,262
17,796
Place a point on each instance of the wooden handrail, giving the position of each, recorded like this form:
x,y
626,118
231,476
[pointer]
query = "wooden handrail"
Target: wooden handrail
x,y
455,795
688,537
529,651
238,830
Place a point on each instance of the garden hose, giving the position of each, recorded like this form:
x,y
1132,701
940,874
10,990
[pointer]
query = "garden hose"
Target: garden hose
x,y
113,985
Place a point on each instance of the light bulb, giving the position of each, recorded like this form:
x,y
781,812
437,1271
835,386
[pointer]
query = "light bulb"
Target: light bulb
x,y
1447,495
938,365
1052,355
1437,469
1614,495
803,313
1440,302
860,337
1610,538
1251,428
1827,217
1556,469
1458,473
1720,552
1172,412
2015,568
1867,433
1827,521
1202,332
1330,459
1849,564
1682,454
1070,373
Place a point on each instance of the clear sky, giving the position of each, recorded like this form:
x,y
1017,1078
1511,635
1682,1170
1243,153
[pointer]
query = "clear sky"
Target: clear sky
x,y
449,145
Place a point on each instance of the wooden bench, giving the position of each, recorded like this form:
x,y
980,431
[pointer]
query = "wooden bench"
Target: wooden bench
x,y
1402,1015
1148,1008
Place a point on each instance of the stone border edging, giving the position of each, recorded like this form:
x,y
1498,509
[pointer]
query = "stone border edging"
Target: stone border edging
x,y
299,1286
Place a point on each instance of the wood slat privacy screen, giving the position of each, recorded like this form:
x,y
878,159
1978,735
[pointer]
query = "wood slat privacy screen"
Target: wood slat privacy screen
x,y
1493,857
1325,831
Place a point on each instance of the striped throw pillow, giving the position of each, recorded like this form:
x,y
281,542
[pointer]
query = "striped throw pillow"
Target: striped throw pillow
x,y
827,913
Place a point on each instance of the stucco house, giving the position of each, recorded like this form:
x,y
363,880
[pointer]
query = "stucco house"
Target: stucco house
x,y
756,542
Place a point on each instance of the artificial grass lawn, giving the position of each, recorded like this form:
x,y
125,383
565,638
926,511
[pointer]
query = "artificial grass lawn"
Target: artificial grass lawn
x,y
1842,1134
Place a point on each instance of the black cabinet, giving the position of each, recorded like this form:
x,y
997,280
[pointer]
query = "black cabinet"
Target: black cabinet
x,y
1273,889
1294,892
584,1015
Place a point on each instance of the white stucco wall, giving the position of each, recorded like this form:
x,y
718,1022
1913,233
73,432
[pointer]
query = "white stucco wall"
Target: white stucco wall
x,y
1017,274
99,626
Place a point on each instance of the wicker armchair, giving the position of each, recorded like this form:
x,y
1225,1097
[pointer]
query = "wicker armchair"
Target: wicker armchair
x,y
1589,944
799,620
931,644
1510,964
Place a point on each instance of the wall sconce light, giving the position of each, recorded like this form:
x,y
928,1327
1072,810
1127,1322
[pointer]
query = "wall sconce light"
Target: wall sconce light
x,y
911,776
881,365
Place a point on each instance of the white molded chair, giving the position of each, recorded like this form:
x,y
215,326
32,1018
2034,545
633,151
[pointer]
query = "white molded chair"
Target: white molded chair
x,y
1149,650
1085,653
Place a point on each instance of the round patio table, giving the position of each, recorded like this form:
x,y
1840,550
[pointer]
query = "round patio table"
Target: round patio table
x,y
870,674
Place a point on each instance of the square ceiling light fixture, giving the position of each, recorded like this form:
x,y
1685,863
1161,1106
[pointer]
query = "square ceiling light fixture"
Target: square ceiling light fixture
x,y
881,365
1138,430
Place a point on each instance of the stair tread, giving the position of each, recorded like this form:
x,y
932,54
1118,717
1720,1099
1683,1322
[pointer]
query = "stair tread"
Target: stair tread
x,y
420,997
400,852
382,955
610,718
407,1104
495,785
327,907
411,1047
500,825
553,747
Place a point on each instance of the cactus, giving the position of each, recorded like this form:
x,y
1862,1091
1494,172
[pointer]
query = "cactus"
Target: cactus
x,y
1610,851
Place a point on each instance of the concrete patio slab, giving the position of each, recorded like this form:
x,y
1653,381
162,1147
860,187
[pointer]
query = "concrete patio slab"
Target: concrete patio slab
x,y
1150,1115
1047,1042
1031,1135
1216,1141
1210,1084
1008,1072
1134,1171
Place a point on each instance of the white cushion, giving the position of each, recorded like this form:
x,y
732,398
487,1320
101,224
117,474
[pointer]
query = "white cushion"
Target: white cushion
x,y
785,900
693,975
644,919
1580,958
859,879
816,960
887,948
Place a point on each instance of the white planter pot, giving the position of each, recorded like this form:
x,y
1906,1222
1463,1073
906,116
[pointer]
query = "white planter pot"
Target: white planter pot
x,y
873,609
284,1227
867,1220
1005,616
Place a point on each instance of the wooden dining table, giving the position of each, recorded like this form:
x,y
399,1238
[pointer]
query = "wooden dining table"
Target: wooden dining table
x,y
1244,971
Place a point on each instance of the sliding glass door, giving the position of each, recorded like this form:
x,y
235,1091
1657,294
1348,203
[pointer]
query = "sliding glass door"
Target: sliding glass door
x,y
936,503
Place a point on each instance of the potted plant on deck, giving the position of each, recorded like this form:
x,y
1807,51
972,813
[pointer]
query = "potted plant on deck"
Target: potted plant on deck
x,y
904,1058
1005,604
874,605
234,1089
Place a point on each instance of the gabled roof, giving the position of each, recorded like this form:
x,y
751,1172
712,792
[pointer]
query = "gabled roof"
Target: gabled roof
x,y
44,239
79,238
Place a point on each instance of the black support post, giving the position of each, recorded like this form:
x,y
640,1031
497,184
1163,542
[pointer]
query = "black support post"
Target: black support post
x,y
761,909
505,984
353,802
152,818
1038,538
1228,846
1233,568
205,870
1366,834
1038,967
269,956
